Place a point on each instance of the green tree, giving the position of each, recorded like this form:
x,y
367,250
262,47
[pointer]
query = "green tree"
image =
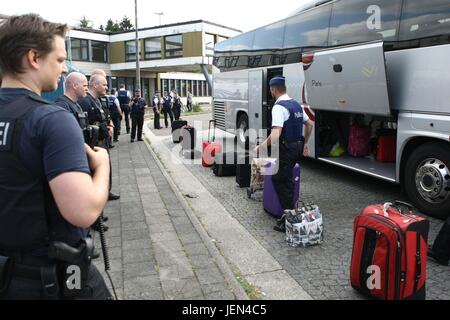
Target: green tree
x,y
126,24
102,27
85,23
112,26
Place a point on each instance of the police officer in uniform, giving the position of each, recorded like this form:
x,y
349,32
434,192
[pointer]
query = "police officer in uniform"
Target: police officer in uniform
x,y
288,120
124,98
115,113
76,89
54,186
177,105
157,111
138,107
167,109
97,116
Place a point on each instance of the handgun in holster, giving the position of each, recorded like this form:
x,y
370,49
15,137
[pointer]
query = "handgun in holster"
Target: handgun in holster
x,y
75,266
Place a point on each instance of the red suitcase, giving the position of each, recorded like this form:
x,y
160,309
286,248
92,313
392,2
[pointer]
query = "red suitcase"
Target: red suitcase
x,y
387,148
210,148
389,259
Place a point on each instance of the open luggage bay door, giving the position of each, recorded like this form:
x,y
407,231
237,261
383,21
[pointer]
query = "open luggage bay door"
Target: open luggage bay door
x,y
349,79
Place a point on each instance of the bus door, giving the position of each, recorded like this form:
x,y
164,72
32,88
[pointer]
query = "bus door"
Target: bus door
x,y
349,79
255,104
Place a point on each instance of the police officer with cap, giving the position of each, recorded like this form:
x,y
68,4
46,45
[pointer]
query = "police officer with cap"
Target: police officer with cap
x,y
288,120
138,107
52,185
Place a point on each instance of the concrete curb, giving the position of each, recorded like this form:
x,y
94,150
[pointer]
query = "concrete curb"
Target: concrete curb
x,y
213,250
239,249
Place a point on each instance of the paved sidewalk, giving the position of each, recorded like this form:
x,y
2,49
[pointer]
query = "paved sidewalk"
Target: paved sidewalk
x,y
156,251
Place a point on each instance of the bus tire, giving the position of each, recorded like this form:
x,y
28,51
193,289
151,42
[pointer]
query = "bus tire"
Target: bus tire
x,y
242,131
427,179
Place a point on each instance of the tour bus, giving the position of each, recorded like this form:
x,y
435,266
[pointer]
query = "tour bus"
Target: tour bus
x,y
384,64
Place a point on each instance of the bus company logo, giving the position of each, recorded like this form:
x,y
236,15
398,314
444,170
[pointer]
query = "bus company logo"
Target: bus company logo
x,y
374,20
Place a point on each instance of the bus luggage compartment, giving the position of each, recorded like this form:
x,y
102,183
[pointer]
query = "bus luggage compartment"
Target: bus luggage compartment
x,y
348,79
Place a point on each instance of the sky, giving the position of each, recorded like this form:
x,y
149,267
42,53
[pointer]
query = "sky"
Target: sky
x,y
244,15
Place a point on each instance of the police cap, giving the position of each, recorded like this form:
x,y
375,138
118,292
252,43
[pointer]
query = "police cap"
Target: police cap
x,y
277,81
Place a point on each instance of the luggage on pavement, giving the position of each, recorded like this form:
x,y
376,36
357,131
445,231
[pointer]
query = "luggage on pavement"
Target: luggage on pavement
x,y
189,136
304,226
359,141
210,147
176,130
259,168
225,164
243,172
389,260
271,201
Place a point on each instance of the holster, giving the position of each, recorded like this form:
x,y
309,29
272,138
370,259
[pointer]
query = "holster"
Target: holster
x,y
74,267
6,266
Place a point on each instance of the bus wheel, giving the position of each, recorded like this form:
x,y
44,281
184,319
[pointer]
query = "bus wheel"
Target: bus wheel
x,y
242,130
427,179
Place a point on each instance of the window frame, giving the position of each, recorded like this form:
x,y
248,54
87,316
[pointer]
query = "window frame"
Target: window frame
x,y
147,54
81,47
177,50
105,47
130,57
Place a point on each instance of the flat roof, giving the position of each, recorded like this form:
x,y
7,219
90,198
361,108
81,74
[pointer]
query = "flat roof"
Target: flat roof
x,y
157,27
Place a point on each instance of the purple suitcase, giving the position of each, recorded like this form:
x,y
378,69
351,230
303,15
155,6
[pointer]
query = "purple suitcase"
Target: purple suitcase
x,y
271,201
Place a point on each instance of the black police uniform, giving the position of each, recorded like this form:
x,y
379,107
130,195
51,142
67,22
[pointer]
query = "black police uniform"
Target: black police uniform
x,y
124,101
115,116
96,116
167,110
291,146
177,108
74,108
137,118
38,143
156,110
440,250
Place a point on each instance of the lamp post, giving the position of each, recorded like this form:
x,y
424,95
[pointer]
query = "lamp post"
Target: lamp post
x,y
159,14
138,67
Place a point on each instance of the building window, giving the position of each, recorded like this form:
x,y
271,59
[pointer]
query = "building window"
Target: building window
x,y
165,86
196,88
99,51
189,86
80,49
152,48
174,46
183,88
209,44
130,50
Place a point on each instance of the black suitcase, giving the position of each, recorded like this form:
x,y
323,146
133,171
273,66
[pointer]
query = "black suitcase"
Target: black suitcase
x,y
176,130
225,164
189,135
243,172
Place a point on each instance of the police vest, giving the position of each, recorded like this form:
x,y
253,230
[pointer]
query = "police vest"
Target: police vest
x,y
76,110
293,128
177,103
105,106
29,217
167,102
123,97
112,106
